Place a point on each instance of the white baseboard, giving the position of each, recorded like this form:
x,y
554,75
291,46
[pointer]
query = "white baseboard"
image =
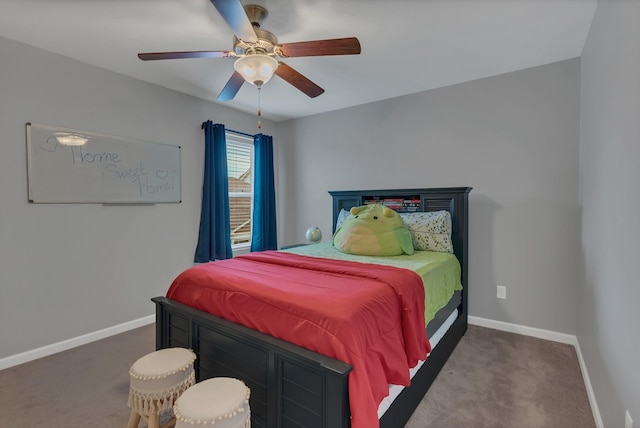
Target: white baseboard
x,y
587,383
554,336
54,348
524,330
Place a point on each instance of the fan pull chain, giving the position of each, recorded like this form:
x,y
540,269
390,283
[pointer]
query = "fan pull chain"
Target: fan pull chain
x,y
259,109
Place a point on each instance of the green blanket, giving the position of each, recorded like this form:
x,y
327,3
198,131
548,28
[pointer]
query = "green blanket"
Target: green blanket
x,y
440,272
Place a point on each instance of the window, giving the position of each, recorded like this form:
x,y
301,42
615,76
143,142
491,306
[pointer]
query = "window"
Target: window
x,y
240,170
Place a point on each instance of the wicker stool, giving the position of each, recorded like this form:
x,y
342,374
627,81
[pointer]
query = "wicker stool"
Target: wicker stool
x,y
221,401
157,380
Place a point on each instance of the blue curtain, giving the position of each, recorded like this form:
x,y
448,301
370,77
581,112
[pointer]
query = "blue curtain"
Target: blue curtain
x,y
214,238
263,234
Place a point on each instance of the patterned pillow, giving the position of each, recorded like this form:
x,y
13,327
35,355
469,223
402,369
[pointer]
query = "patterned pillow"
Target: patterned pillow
x,y
430,231
341,216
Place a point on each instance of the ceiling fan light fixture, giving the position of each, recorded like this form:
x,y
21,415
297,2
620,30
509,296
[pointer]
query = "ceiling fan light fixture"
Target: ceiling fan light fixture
x,y
256,69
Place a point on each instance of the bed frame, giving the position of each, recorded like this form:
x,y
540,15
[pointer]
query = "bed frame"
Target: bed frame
x,y
290,385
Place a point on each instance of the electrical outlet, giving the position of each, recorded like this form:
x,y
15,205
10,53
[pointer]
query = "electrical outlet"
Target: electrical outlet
x,y
628,422
502,292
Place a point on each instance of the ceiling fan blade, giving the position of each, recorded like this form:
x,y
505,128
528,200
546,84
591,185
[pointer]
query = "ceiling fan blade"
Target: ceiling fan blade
x,y
234,15
298,80
151,56
232,87
345,46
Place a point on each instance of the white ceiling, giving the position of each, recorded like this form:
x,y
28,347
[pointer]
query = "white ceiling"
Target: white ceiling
x,y
408,46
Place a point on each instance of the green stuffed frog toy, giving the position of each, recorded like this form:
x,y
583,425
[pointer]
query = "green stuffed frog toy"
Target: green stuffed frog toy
x,y
373,230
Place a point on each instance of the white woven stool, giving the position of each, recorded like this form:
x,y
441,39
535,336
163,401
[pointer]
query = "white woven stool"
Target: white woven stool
x,y
157,380
222,401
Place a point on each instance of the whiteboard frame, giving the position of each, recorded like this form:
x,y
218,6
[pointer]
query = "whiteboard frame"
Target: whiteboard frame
x,y
173,196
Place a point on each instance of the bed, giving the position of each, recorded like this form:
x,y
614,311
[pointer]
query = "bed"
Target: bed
x,y
294,386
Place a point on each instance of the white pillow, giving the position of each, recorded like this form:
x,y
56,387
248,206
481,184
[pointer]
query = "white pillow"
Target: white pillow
x,y
430,231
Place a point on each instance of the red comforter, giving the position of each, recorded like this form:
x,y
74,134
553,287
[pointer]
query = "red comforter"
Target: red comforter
x,y
309,301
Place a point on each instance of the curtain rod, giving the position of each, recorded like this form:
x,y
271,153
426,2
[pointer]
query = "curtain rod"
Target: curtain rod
x,y
234,132
230,130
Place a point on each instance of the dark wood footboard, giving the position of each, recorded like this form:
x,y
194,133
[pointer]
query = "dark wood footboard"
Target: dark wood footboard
x,y
290,385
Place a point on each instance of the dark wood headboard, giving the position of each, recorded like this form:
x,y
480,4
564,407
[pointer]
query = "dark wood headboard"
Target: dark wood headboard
x,y
453,199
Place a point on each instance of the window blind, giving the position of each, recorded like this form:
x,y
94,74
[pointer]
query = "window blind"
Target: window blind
x,y
240,173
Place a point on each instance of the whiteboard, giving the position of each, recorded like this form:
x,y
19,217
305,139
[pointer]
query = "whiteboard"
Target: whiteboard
x,y
105,169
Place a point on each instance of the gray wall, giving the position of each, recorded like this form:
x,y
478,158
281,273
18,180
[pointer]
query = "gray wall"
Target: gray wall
x,y
70,270
514,138
609,178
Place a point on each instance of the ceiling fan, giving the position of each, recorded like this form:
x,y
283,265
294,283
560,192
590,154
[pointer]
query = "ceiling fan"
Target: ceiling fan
x,y
256,51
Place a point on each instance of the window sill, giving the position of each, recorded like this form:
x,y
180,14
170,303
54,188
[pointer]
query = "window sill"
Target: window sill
x,y
239,250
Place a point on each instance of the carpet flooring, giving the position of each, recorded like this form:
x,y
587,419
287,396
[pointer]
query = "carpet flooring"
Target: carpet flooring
x,y
493,379
496,379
